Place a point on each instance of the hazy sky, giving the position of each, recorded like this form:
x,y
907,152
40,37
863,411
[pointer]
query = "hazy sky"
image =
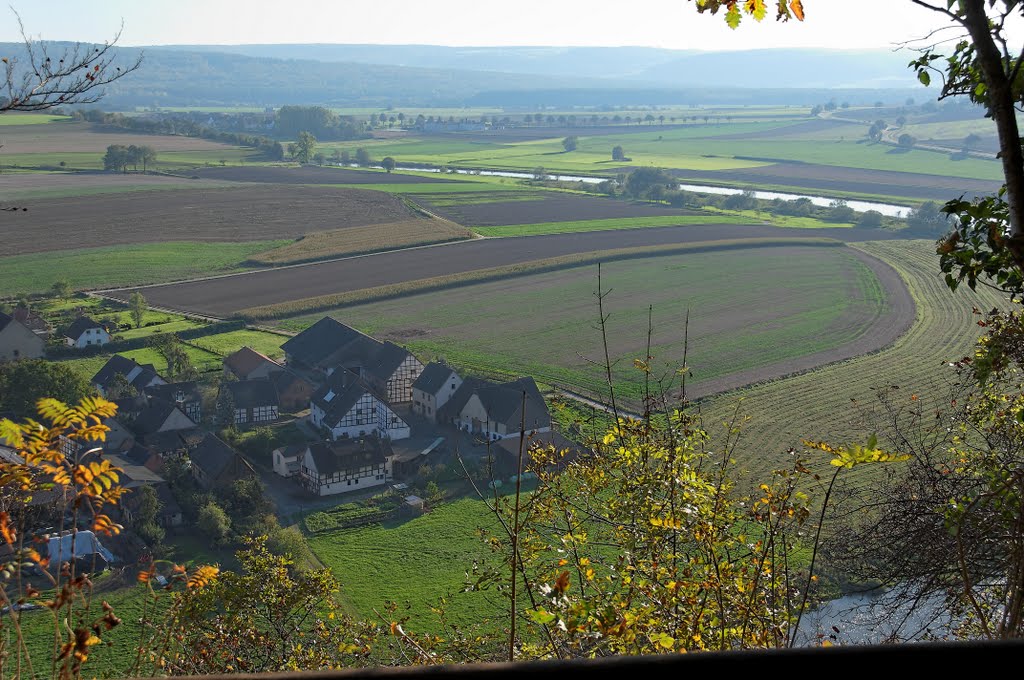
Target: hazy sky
x,y
655,23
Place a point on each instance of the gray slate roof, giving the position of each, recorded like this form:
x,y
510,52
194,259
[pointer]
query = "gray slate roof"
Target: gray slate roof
x,y
169,392
119,365
320,340
80,326
347,389
252,393
503,402
213,456
152,418
434,376
334,457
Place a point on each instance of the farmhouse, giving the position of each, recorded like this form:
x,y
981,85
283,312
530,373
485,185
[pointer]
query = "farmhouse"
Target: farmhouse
x,y
184,395
329,345
347,407
248,364
215,464
84,332
253,401
32,321
336,467
432,390
139,376
17,341
496,410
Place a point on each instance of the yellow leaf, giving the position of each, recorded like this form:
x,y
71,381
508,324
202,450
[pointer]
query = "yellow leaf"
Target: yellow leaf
x,y
798,9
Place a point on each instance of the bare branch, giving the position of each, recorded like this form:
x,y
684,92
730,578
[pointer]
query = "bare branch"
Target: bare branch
x,y
37,81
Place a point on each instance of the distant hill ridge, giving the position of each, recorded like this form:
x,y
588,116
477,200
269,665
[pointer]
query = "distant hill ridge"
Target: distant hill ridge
x,y
379,76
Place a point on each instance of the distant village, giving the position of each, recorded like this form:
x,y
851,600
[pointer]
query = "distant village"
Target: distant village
x,y
372,414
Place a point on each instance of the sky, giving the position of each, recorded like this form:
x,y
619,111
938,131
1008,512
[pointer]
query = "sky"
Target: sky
x,y
846,24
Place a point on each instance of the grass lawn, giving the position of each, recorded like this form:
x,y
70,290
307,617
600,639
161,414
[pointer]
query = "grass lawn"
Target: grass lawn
x,y
224,344
748,308
414,563
613,223
125,265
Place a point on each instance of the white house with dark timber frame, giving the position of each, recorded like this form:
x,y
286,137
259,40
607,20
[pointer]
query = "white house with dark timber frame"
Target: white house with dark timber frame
x,y
432,390
337,467
495,411
347,407
330,345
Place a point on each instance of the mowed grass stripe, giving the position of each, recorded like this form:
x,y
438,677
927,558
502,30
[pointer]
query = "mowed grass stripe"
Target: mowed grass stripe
x,y
820,404
612,223
126,265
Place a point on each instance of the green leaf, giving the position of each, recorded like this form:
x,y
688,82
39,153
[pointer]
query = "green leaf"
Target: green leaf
x,y
733,16
924,77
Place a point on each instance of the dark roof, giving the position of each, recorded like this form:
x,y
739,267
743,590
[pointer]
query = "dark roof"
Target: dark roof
x,y
245,361
152,418
79,326
119,365
433,377
169,392
30,320
252,393
285,378
167,442
347,389
319,340
334,457
4,320
502,401
137,454
292,450
116,365
213,456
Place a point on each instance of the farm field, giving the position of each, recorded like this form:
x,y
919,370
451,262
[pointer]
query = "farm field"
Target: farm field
x,y
818,405
548,207
126,265
235,214
28,185
752,316
226,296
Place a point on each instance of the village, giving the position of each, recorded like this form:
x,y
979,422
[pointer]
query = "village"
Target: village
x,y
372,417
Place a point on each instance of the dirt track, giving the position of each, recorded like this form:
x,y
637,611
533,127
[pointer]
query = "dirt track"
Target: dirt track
x,y
239,213
226,295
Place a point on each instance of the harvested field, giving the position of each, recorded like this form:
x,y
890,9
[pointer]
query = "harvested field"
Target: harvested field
x,y
24,185
551,207
312,174
753,316
227,295
813,176
70,137
358,240
231,214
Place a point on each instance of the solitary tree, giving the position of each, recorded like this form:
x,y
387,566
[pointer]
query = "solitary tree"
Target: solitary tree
x,y
362,156
618,154
570,143
907,140
304,147
388,163
137,307
61,288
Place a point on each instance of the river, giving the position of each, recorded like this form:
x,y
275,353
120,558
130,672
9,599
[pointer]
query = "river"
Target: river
x,y
888,209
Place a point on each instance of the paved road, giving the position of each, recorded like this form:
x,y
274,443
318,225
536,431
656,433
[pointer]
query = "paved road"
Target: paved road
x,y
224,296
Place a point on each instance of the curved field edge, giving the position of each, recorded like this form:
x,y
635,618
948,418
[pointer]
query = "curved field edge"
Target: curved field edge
x,y
751,316
827,403
329,302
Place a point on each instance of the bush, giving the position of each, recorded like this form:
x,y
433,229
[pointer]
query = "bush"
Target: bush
x,y
872,219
